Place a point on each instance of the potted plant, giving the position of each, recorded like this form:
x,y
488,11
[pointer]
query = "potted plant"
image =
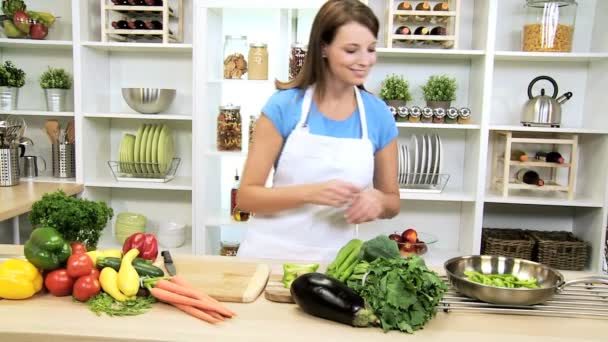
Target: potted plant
x,y
439,91
56,83
11,79
395,91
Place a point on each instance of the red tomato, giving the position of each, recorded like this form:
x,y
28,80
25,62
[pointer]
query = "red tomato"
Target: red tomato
x,y
59,283
79,265
86,287
78,248
95,273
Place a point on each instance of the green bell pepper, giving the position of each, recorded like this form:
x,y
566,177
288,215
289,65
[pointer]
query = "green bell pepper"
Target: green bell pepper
x,y
46,248
292,271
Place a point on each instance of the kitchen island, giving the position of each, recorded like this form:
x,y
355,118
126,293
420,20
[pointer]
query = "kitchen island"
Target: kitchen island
x,y
48,318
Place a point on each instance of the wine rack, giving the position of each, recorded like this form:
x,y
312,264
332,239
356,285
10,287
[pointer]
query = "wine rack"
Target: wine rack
x,y
445,22
501,175
162,22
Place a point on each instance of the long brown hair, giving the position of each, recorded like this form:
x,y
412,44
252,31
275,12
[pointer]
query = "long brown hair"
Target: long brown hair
x,y
332,15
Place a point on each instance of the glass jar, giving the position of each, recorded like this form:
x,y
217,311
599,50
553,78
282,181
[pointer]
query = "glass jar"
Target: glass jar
x,y
252,120
451,116
549,25
427,114
402,114
229,248
414,115
438,115
235,50
258,61
296,59
464,116
229,133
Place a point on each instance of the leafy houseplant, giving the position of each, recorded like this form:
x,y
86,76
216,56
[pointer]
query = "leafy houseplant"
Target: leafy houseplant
x,y
439,91
11,79
56,83
395,91
74,218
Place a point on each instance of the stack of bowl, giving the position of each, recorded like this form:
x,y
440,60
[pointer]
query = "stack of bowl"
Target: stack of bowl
x,y
128,224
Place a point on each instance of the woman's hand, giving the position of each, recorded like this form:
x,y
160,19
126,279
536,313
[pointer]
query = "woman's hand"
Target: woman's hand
x,y
367,206
334,193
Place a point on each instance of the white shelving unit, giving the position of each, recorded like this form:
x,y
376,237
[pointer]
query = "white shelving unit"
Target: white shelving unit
x,y
491,71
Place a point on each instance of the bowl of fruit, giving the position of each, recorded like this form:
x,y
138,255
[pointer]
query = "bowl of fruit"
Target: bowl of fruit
x,y
19,22
412,242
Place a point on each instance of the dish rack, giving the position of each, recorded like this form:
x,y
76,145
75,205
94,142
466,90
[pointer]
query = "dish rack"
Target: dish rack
x,y
449,20
170,14
423,182
501,179
120,174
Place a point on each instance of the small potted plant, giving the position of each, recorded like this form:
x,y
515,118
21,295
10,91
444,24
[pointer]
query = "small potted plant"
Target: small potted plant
x,y
56,83
11,79
439,91
395,91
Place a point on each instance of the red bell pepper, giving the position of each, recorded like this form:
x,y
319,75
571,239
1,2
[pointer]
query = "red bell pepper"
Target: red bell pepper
x,y
145,243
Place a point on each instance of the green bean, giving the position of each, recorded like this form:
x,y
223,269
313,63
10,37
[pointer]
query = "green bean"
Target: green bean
x,y
501,280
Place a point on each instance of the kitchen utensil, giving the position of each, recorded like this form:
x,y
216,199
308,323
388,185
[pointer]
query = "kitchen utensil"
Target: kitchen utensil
x,y
275,291
71,133
148,100
29,166
549,280
226,279
544,110
52,130
169,266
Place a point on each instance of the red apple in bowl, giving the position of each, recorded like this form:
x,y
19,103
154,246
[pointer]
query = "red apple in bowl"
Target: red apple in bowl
x,y
38,31
410,235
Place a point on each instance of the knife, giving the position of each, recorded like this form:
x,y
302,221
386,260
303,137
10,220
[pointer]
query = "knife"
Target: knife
x,y
169,263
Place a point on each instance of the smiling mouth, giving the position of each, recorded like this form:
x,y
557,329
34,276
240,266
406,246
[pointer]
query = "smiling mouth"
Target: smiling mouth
x,y
360,72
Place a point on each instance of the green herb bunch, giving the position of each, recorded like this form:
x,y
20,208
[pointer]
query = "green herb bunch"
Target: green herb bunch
x,y
11,76
76,219
402,292
55,79
440,88
104,303
394,87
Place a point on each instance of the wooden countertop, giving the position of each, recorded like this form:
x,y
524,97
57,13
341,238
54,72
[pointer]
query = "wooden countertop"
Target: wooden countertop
x,y
60,319
17,200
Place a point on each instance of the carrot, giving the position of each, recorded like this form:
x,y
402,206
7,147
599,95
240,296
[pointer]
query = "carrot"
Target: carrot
x,y
199,295
200,314
174,298
191,293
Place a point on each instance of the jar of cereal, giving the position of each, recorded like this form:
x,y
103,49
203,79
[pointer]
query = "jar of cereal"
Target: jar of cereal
x,y
549,25
229,132
258,62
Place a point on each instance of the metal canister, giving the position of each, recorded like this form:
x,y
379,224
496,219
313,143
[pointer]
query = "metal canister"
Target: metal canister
x,y
464,115
64,160
439,115
415,113
427,114
451,115
9,166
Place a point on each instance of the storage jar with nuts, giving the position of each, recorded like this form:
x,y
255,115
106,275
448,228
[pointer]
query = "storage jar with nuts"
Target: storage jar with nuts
x,y
235,50
549,25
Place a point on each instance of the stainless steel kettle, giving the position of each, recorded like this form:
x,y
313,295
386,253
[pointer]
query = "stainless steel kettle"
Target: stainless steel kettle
x,y
544,110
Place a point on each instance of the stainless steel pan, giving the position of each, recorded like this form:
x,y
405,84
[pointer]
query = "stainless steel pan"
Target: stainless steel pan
x,y
549,280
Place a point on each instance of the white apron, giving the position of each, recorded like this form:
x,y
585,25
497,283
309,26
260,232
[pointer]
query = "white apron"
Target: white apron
x,y
311,232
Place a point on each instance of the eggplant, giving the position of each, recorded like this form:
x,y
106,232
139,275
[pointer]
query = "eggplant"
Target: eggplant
x,y
326,297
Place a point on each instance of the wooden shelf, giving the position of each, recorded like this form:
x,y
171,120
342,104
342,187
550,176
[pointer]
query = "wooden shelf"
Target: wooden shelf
x,y
542,198
430,53
535,163
422,37
123,9
549,186
425,13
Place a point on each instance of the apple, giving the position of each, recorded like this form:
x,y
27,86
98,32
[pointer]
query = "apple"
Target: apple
x,y
395,237
38,31
410,235
407,249
22,21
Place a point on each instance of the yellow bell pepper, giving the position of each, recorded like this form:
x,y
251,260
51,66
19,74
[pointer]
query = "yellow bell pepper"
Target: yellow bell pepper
x,y
19,279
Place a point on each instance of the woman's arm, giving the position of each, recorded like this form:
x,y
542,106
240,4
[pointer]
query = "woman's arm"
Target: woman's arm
x,y
383,201
255,197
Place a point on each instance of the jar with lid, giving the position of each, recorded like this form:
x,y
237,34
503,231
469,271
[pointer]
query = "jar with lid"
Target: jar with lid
x,y
451,116
229,248
549,25
252,120
464,116
427,115
258,61
235,50
414,114
402,114
438,115
229,132
296,59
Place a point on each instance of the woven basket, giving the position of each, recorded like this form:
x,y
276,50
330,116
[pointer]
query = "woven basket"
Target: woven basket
x,y
561,250
513,243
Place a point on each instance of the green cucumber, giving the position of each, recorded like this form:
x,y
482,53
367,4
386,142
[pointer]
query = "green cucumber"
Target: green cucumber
x,y
143,267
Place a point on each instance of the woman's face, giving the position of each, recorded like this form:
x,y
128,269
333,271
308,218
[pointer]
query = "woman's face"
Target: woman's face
x,y
352,53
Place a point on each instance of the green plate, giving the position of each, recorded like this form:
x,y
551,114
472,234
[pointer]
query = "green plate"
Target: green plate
x,y
154,158
122,155
140,132
128,154
148,159
165,149
142,149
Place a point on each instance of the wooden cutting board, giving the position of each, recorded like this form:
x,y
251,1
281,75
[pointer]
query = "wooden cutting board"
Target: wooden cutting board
x,y
224,279
275,290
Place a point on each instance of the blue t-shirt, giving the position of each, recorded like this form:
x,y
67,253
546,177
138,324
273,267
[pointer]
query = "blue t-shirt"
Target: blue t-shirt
x,y
283,108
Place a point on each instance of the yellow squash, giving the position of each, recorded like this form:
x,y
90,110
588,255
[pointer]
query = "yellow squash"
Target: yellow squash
x,y
19,279
109,283
128,279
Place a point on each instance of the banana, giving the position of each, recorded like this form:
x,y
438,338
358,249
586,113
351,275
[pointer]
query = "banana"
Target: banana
x,y
11,30
47,18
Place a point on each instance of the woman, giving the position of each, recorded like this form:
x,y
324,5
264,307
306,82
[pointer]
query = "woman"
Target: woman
x,y
333,146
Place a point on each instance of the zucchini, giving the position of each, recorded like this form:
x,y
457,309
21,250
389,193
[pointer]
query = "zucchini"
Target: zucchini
x,y
143,267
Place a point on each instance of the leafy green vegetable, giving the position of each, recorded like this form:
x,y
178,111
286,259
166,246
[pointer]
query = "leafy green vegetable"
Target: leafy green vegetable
x,y
402,292
9,7
501,280
76,219
292,271
379,247
104,303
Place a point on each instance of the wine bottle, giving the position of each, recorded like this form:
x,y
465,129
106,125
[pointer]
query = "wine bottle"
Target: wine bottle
x,y
528,176
551,157
121,25
519,155
421,30
405,6
121,2
404,30
442,6
438,31
423,6
154,25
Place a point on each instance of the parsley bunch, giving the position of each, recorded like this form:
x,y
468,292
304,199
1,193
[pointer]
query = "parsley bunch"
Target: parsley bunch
x,y
402,292
103,302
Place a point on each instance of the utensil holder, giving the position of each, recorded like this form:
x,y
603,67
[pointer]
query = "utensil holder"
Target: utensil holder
x,y
64,160
9,166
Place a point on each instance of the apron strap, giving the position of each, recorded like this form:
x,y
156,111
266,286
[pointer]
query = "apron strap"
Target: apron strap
x,y
362,116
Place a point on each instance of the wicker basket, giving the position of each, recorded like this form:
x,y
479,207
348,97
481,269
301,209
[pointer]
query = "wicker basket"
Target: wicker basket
x,y
513,243
561,250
